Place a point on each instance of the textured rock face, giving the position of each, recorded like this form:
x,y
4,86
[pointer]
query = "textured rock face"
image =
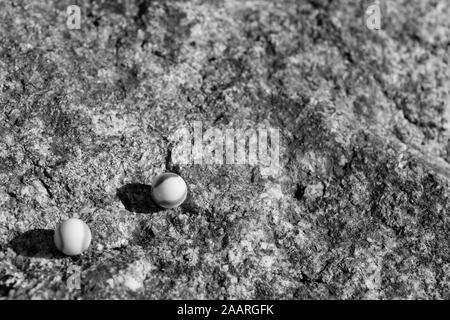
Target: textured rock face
x,y
359,209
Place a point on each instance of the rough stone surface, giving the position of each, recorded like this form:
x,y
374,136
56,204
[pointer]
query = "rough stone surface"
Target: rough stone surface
x,y
359,210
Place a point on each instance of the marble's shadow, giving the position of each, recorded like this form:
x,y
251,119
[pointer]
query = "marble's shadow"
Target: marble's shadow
x,y
37,243
136,197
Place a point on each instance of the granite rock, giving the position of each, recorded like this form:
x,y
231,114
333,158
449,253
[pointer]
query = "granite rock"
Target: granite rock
x,y
358,210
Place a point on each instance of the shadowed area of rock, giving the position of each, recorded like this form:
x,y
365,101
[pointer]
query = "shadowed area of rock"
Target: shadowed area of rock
x,y
136,197
36,243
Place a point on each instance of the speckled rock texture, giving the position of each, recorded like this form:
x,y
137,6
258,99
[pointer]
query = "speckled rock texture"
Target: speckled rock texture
x,y
359,209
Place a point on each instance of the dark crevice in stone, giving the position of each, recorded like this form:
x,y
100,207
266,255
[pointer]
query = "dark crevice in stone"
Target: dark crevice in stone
x,y
300,192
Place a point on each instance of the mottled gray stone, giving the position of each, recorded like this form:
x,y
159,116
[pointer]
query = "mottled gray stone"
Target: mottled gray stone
x,y
359,210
